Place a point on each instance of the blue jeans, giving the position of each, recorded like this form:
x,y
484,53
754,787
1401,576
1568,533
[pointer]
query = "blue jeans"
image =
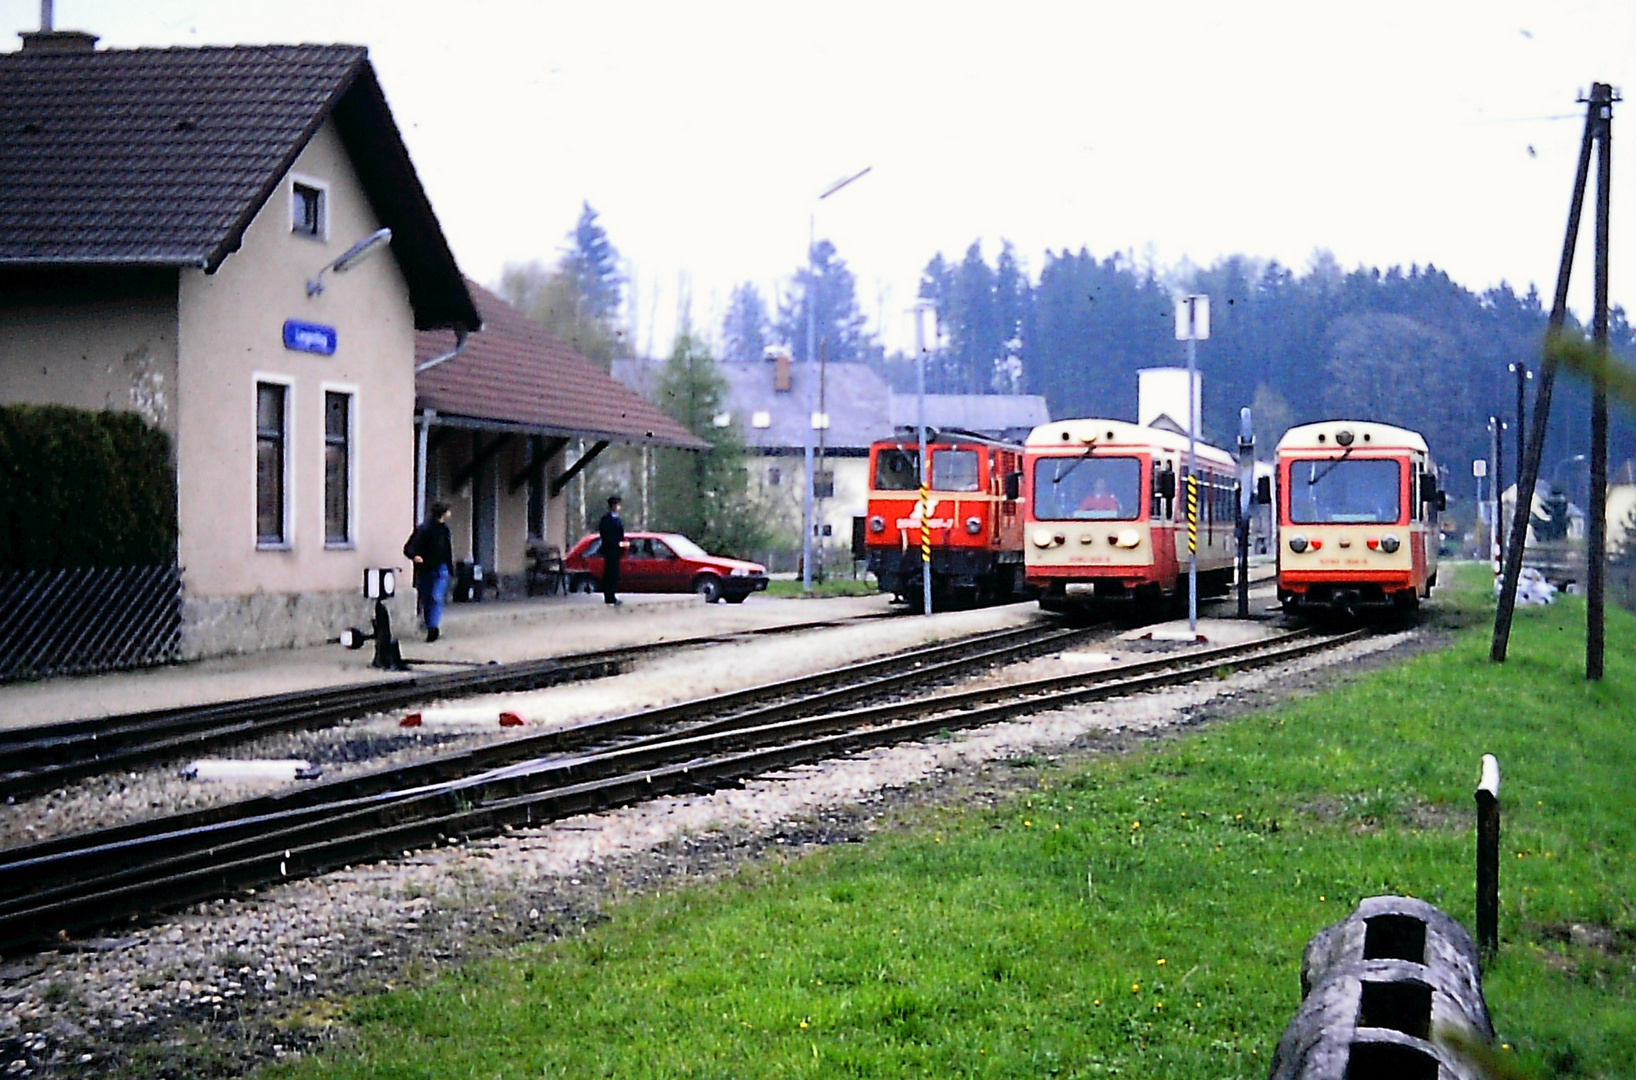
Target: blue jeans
x,y
432,597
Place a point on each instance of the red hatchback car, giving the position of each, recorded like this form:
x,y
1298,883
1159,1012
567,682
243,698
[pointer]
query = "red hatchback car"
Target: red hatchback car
x,y
666,562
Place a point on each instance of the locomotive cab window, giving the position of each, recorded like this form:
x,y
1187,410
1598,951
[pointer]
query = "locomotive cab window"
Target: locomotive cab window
x,y
897,470
954,470
1088,488
1345,491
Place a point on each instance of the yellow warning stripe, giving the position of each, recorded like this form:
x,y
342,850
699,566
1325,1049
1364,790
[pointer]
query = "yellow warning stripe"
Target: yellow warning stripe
x,y
925,524
1192,514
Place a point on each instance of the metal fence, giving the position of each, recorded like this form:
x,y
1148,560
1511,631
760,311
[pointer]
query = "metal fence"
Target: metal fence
x,y
72,622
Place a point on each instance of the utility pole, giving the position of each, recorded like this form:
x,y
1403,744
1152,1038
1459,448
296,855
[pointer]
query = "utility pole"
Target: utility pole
x,y
1528,467
1596,544
920,310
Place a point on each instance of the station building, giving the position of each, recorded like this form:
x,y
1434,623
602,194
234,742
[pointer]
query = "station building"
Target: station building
x,y
172,223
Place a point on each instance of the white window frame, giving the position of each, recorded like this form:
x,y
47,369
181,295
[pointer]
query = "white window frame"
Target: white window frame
x,y
257,379
322,187
351,391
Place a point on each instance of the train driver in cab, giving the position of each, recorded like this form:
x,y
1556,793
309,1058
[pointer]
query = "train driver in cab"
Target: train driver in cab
x,y
1100,502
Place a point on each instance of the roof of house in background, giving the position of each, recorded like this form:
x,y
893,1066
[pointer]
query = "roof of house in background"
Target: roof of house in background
x,y
162,157
854,396
986,414
515,374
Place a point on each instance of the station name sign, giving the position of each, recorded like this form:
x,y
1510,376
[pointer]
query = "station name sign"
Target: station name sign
x,y
309,337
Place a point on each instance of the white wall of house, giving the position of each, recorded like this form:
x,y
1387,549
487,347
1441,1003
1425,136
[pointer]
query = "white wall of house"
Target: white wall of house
x,y
242,592
105,341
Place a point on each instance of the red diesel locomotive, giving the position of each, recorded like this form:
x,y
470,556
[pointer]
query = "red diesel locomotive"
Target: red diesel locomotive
x,y
975,515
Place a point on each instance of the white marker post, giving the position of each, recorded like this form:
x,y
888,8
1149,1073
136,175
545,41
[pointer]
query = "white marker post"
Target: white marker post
x,y
1192,326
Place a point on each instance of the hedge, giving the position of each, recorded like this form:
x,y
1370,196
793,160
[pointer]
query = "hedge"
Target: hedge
x,y
84,489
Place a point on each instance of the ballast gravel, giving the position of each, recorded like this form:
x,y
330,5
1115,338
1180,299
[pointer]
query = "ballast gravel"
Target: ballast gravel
x,y
235,983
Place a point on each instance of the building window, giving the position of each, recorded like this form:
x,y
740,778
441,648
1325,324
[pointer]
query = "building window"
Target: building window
x,y
823,484
307,210
337,468
272,431
775,476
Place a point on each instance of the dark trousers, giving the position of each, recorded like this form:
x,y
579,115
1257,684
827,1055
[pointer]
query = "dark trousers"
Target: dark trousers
x,y
610,577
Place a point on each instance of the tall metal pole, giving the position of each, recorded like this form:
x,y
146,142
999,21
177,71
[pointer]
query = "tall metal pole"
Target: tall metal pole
x,y
1494,491
1192,482
1246,499
1596,542
806,428
925,465
1528,465
807,523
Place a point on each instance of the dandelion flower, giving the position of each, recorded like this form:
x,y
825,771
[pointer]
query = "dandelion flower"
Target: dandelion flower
x,y
1161,961
1136,988
1322,899
1137,825
1027,824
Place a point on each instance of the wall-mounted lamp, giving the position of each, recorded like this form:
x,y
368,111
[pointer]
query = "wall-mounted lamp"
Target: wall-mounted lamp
x,y
351,257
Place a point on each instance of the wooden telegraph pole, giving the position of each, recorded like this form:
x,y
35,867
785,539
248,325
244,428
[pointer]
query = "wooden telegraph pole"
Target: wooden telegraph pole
x,y
1596,542
1598,131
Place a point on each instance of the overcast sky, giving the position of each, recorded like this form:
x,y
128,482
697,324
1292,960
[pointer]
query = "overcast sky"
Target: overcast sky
x,y
1385,132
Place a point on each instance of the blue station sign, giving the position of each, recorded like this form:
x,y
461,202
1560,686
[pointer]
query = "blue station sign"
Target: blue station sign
x,y
309,337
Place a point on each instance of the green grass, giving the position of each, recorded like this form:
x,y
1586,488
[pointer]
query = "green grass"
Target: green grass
x,y
832,587
1138,916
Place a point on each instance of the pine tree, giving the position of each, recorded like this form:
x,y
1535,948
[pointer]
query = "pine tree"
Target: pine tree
x,y
829,287
593,263
746,326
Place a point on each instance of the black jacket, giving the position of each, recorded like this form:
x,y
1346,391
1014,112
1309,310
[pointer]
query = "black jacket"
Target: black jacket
x,y
612,531
432,542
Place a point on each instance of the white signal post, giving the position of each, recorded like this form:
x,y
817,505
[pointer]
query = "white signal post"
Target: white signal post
x,y
1192,326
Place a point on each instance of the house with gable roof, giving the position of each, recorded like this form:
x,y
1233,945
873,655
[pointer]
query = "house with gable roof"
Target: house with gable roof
x,y
170,225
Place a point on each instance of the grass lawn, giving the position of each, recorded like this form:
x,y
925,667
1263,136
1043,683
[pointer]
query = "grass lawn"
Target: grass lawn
x,y
1137,916
836,586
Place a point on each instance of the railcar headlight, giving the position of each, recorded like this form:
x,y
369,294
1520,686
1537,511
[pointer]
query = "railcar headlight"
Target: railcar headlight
x,y
1390,543
1297,544
1127,538
1042,538
974,525
877,524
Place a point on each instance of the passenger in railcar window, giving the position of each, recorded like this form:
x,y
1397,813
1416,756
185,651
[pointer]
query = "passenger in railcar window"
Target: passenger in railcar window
x,y
1100,502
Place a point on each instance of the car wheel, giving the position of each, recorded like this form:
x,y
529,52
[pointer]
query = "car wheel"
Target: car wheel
x,y
709,588
587,584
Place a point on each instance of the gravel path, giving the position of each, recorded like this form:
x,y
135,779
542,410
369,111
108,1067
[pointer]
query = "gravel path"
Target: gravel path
x,y
231,984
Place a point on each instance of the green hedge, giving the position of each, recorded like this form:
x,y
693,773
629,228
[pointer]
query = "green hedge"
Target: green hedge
x,y
82,489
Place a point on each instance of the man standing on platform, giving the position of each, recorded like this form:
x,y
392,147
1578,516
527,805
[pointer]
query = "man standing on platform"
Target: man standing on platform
x,y
612,530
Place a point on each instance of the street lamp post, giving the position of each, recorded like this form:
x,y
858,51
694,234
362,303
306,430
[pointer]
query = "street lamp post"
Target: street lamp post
x,y
807,523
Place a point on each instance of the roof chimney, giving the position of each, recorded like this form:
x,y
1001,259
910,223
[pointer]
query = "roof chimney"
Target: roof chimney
x,y
48,39
781,367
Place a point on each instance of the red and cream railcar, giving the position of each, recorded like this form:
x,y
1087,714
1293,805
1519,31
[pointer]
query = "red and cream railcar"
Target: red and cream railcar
x,y
975,517
1357,512
1107,514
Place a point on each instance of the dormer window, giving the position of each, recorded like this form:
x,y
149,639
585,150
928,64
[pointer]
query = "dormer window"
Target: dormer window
x,y
309,209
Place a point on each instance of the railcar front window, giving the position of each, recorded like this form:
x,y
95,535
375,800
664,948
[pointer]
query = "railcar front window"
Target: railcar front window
x,y
897,470
1087,488
1345,491
954,470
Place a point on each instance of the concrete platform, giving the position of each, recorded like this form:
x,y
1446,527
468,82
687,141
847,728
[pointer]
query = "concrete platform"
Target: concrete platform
x,y
473,634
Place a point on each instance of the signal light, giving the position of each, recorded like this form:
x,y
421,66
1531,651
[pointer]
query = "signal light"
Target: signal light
x,y
1041,538
1316,544
1389,543
1297,544
1128,538
1374,544
877,524
974,525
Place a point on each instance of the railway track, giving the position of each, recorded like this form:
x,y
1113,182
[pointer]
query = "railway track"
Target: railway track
x,y
41,758
74,884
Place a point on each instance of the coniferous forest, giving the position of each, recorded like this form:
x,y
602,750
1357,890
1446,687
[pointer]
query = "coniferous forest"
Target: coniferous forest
x,y
1409,347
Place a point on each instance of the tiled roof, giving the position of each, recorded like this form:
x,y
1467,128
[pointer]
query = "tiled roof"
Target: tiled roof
x,y
162,157
515,373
